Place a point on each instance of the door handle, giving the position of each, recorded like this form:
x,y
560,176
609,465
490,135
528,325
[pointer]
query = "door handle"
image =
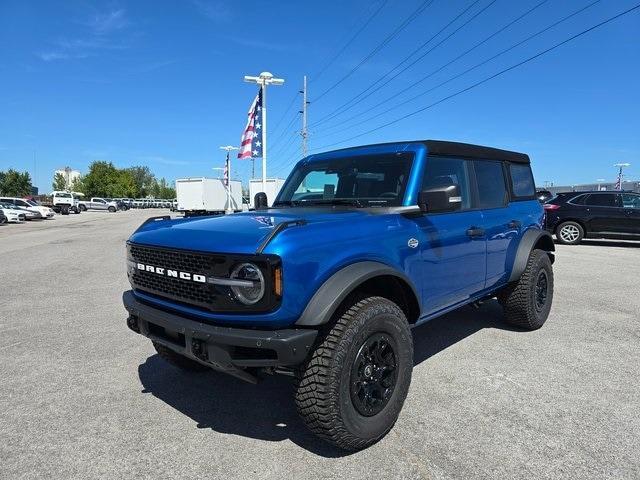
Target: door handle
x,y
475,232
514,224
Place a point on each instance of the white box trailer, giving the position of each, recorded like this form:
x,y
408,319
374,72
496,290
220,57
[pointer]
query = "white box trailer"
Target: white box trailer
x,y
273,188
199,196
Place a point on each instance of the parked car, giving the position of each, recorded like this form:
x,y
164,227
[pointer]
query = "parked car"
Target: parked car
x,y
361,245
29,205
544,195
98,203
572,216
12,214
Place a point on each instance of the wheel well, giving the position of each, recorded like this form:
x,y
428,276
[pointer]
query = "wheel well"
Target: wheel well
x,y
545,242
390,287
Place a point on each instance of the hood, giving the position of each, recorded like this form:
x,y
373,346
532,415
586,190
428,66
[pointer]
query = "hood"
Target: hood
x,y
238,233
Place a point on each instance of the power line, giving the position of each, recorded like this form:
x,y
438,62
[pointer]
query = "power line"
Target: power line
x,y
415,14
349,42
466,52
487,79
362,95
285,130
455,77
279,122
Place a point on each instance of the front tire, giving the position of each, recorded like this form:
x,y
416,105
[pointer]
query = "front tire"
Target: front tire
x,y
83,208
352,388
569,233
177,360
527,302
112,209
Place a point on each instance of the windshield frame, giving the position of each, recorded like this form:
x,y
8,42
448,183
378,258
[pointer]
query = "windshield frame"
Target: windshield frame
x,y
414,152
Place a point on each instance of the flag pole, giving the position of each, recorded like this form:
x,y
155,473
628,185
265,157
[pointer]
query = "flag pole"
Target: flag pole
x,y
229,148
264,79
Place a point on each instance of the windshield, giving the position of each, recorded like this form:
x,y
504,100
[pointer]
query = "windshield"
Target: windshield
x,y
33,202
367,181
63,195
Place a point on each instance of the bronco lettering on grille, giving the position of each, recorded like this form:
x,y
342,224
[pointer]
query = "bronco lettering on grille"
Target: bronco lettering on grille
x,y
194,277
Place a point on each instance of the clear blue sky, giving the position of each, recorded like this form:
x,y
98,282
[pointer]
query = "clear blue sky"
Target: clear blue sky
x,y
160,83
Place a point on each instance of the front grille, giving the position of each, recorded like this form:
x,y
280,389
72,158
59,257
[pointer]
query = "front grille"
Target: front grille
x,y
206,296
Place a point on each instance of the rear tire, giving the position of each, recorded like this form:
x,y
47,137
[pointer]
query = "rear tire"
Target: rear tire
x,y
83,208
352,388
177,360
112,209
527,302
570,233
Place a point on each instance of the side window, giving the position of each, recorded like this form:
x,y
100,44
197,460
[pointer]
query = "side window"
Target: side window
x,y
579,200
630,201
601,200
443,171
492,189
522,184
21,203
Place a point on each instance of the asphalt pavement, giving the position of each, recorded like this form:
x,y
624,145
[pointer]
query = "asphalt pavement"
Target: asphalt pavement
x,y
81,396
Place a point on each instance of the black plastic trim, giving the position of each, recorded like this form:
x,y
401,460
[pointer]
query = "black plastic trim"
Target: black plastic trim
x,y
276,230
336,288
528,241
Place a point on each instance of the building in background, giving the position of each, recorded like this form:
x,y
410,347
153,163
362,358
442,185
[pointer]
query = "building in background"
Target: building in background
x,y
632,185
70,176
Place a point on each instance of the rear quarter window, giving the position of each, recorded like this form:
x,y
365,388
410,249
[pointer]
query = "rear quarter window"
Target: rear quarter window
x,y
522,184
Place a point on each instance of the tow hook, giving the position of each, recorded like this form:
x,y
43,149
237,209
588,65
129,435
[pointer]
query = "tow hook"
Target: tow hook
x,y
199,349
132,323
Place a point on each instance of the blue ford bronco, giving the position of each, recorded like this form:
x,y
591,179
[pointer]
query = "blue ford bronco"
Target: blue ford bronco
x,y
361,245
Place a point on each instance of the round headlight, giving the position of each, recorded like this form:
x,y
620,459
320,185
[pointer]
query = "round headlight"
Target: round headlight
x,y
248,295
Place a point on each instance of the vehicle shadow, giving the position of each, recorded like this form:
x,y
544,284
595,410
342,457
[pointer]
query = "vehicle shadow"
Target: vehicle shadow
x,y
611,243
267,411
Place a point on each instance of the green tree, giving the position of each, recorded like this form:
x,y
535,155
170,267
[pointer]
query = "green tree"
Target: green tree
x,y
59,182
15,184
100,180
143,179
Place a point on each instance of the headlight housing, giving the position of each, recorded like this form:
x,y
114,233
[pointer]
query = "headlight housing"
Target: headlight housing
x,y
254,291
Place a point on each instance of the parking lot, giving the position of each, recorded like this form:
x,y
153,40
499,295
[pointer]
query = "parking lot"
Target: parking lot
x,y
83,397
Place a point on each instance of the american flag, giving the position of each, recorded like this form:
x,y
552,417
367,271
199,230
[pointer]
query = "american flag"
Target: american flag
x,y
251,142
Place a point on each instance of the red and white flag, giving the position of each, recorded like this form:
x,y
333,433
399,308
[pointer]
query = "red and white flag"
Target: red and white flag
x,y
251,142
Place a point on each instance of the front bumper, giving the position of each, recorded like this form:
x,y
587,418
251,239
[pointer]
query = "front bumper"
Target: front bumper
x,y
227,349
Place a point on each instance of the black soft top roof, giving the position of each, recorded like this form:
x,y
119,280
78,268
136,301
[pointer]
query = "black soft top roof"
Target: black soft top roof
x,y
440,147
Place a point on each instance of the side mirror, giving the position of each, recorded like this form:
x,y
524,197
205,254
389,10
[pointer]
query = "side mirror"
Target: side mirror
x,y
260,201
440,199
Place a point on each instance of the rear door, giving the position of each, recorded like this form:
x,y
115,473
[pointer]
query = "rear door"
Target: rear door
x,y
452,246
501,223
605,212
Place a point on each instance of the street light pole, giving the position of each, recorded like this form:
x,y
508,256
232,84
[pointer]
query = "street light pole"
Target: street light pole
x,y
228,149
264,79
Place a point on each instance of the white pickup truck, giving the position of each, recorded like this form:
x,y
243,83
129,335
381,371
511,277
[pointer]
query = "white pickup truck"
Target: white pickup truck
x,y
97,203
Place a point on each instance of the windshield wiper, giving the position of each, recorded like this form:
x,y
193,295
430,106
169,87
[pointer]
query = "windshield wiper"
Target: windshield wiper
x,y
335,201
286,203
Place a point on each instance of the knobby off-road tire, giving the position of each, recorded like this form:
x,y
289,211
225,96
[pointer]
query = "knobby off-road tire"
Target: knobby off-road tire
x,y
527,302
178,360
368,348
570,233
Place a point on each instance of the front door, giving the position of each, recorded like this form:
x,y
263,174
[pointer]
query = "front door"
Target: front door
x,y
453,245
631,206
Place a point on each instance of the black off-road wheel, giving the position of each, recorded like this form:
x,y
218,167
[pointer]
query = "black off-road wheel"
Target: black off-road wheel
x,y
570,233
180,361
352,388
527,302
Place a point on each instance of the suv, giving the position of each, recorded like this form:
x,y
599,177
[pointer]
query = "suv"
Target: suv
x,y
573,216
361,245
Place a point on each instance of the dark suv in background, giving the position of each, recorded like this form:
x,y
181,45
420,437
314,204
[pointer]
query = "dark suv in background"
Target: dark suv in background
x,y
572,216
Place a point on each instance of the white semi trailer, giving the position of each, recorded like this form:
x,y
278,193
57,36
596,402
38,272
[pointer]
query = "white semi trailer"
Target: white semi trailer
x,y
207,196
273,186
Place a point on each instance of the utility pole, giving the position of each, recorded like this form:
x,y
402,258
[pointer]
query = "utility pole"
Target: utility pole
x,y
228,149
264,79
304,132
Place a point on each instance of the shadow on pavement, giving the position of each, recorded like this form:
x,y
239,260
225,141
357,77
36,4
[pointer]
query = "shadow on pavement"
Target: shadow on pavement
x,y
611,243
267,411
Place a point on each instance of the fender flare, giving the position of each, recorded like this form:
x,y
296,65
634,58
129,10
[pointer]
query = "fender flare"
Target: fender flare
x,y
530,239
336,288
